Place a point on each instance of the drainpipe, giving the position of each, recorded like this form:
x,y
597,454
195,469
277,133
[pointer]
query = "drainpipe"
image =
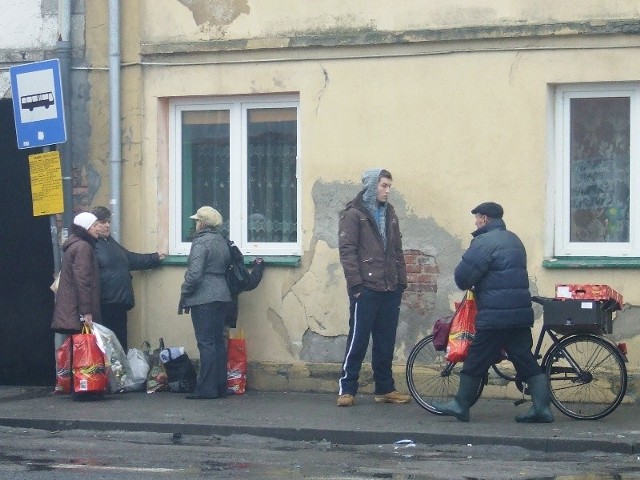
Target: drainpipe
x,y
63,50
114,103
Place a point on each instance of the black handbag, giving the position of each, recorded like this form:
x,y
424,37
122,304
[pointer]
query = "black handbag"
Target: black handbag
x,y
181,374
238,275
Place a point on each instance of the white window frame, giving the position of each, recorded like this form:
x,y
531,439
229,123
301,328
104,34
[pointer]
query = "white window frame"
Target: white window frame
x,y
237,106
563,246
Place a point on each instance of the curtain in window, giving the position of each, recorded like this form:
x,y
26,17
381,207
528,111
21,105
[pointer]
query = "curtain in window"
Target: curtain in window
x,y
211,178
271,178
205,166
600,169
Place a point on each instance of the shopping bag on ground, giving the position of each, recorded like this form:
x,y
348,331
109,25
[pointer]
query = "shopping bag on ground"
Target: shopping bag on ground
x,y
181,374
88,368
237,362
63,367
157,376
115,359
462,330
139,369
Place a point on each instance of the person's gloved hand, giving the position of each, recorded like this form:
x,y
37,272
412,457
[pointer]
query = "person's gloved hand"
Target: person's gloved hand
x,y
258,263
181,306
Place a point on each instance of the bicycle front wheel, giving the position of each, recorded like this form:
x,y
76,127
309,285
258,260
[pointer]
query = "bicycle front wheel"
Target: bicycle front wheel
x,y
587,375
430,377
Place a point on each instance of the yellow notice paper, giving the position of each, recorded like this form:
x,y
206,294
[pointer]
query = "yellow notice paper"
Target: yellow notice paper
x,y
46,183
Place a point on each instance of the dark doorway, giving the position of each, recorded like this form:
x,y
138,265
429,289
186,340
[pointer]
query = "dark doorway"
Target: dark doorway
x,y
26,268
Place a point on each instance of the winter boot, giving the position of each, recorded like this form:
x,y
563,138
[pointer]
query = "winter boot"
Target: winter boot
x,y
539,412
466,396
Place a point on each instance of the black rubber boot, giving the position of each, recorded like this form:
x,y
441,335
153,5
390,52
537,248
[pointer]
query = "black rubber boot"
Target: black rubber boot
x,y
466,396
540,392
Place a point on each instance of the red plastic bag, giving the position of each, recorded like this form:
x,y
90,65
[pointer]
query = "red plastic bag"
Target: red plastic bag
x,y
237,363
463,329
89,372
63,367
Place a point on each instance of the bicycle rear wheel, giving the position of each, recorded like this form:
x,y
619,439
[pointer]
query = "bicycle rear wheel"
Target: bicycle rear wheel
x,y
430,377
596,387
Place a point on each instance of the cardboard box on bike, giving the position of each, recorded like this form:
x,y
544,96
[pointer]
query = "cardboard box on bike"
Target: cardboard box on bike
x,y
588,292
572,316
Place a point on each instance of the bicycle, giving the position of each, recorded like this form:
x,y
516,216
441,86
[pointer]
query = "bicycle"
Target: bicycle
x,y
587,371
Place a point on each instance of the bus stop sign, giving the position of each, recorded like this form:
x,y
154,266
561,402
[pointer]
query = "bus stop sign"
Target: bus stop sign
x,y
38,107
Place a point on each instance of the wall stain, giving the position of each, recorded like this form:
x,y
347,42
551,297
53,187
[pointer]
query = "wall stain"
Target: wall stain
x,y
280,329
216,13
323,89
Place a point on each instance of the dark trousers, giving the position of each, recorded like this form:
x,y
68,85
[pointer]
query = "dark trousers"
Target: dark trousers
x,y
114,317
375,315
208,324
486,346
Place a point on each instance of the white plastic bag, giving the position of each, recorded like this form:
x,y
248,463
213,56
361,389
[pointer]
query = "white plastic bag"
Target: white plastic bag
x,y
118,368
139,368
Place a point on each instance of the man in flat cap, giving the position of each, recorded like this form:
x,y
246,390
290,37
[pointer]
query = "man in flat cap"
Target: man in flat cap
x,y
495,267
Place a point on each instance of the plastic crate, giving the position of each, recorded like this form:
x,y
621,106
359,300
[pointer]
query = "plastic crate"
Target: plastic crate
x,y
571,316
588,292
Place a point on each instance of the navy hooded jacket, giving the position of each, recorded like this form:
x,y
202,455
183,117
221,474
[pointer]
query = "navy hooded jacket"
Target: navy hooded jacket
x,y
495,266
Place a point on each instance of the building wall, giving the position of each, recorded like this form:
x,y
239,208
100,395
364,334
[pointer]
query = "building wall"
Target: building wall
x,y
28,29
455,100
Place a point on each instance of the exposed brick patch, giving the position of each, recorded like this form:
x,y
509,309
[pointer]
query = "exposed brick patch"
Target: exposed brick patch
x,y
422,281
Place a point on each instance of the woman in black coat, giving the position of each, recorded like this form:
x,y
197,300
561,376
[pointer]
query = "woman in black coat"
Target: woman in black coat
x,y
116,263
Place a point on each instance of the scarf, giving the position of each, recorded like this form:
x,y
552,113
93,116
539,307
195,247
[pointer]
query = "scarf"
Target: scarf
x,y
378,210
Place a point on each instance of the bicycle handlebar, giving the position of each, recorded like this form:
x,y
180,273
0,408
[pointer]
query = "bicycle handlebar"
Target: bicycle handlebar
x,y
541,300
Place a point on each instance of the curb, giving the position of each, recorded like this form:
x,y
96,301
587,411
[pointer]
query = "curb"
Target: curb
x,y
342,437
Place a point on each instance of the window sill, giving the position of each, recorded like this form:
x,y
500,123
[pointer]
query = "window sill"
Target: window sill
x,y
284,260
592,262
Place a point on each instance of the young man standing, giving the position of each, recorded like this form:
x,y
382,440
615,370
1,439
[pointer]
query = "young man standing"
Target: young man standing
x,y
371,255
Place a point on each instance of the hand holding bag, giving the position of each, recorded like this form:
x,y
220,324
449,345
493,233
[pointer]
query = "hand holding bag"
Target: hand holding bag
x,y
237,362
463,329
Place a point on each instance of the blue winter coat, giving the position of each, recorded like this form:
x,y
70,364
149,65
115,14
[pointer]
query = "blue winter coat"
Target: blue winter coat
x,y
495,266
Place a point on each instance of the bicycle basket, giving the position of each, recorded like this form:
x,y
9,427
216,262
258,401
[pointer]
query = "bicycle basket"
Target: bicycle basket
x,y
570,316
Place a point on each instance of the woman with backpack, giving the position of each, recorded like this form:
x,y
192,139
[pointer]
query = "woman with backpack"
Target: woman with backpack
x,y
205,294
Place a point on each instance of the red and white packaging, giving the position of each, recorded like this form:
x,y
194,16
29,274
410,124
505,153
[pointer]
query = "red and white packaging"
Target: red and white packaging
x,y
588,292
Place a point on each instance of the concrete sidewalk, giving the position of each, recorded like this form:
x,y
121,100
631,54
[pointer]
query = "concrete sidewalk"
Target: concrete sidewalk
x,y
315,417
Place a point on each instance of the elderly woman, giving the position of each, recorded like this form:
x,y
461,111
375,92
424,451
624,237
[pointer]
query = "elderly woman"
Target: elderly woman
x,y
205,293
78,296
116,263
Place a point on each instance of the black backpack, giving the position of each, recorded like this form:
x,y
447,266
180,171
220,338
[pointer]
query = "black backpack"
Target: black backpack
x,y
238,275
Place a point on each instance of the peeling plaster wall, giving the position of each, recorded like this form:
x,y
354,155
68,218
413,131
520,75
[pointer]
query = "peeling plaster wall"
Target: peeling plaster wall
x,y
28,25
420,234
458,120
236,19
